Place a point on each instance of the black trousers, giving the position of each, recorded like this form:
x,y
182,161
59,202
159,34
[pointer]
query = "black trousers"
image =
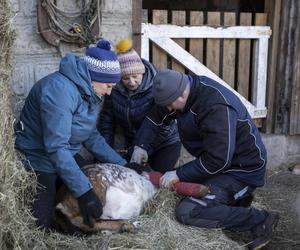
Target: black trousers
x,y
163,159
43,206
44,200
220,209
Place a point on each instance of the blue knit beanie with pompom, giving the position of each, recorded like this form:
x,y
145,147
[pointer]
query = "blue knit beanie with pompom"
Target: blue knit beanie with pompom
x,y
103,63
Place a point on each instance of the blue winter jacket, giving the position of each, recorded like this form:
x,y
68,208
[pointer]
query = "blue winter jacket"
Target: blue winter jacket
x,y
217,129
128,109
59,115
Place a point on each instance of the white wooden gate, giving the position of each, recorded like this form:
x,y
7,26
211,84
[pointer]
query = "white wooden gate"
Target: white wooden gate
x,y
162,36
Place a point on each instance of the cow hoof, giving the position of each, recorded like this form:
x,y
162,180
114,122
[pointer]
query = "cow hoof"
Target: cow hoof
x,y
128,228
106,232
137,224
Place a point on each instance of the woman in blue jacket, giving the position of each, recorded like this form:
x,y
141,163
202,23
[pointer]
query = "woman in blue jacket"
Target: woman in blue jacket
x,y
59,116
127,107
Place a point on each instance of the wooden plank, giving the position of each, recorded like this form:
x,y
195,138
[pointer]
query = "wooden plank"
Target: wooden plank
x,y
178,18
229,52
159,57
295,99
294,119
283,78
273,8
260,20
213,45
243,78
196,44
174,31
136,24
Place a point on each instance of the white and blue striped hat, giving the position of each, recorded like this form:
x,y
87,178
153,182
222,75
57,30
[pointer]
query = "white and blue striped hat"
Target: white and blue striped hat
x,y
103,63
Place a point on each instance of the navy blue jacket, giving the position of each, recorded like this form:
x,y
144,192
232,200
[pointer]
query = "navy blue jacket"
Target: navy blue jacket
x,y
59,115
128,110
217,129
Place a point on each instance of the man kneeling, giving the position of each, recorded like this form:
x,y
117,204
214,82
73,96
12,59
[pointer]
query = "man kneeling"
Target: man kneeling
x,y
215,127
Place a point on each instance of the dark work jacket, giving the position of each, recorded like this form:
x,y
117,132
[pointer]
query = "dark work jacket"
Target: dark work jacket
x,y
217,129
128,109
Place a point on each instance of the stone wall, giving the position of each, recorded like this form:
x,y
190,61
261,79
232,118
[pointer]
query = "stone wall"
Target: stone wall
x,y
34,58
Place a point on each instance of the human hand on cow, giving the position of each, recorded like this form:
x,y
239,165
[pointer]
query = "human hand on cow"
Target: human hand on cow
x,y
168,179
139,155
90,207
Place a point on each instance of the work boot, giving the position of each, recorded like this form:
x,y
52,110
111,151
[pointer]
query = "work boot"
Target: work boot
x,y
262,233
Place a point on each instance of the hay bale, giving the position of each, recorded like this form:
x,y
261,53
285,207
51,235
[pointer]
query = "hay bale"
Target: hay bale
x,y
17,229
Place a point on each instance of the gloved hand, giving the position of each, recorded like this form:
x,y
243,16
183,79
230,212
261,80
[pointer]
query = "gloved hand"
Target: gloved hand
x,y
168,179
90,207
139,155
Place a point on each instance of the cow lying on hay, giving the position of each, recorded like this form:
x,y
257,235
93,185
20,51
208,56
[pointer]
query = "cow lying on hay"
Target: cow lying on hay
x,y
123,194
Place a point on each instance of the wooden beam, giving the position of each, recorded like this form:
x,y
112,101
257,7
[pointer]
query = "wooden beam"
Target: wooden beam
x,y
294,118
136,24
273,8
283,72
174,31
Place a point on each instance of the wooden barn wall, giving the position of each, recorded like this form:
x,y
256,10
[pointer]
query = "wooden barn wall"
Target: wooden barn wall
x,y
287,77
283,87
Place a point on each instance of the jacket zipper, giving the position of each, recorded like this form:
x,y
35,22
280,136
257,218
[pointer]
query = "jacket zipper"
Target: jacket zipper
x,y
127,113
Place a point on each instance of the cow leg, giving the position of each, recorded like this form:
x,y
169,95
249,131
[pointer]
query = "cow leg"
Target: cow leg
x,y
118,226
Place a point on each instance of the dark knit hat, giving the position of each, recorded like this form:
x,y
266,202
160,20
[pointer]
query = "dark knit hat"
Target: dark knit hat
x,y
168,85
103,63
130,61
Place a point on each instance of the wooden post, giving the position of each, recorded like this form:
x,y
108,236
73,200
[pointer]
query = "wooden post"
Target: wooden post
x,y
294,118
136,24
272,8
257,81
283,80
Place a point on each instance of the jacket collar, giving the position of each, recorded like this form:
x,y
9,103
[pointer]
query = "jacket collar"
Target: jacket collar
x,y
146,83
193,95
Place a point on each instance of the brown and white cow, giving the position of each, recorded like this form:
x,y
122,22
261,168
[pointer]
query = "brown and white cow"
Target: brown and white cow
x,y
123,194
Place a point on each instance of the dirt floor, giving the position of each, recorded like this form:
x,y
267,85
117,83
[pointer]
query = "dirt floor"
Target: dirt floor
x,y
281,193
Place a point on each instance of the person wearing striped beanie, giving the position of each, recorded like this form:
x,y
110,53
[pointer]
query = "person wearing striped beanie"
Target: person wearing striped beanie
x,y
127,107
103,66
132,66
58,118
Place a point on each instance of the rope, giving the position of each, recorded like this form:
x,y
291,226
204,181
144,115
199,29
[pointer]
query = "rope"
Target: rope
x,y
74,26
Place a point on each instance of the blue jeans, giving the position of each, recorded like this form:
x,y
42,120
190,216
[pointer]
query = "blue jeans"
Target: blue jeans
x,y
220,208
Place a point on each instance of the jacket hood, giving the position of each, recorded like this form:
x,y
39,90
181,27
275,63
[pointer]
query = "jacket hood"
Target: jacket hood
x,y
147,81
76,70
